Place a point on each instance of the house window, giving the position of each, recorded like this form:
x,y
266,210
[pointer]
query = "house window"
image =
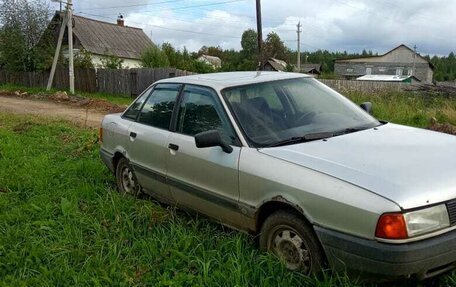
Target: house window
x,y
350,70
399,71
368,71
410,71
381,69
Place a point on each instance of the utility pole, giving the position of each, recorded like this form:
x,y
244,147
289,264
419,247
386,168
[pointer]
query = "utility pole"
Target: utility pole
x,y
299,46
414,60
260,35
70,45
66,22
57,51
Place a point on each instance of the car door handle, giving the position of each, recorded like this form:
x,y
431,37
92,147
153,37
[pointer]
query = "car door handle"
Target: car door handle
x,y
133,134
173,147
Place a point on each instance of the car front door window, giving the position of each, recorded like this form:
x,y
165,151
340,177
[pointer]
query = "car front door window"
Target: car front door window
x,y
200,111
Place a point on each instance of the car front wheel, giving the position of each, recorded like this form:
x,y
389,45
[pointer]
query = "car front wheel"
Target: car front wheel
x,y
126,179
293,241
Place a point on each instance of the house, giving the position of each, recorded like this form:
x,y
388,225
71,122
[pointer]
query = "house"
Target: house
x,y
400,61
275,65
389,78
214,62
311,69
103,40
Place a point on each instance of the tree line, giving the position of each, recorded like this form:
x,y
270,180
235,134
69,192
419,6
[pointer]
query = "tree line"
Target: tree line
x,y
27,45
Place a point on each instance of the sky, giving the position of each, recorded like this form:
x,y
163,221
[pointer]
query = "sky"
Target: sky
x,y
334,25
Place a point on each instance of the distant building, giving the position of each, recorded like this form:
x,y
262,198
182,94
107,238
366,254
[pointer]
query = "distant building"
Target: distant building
x,y
388,78
213,61
275,65
103,39
311,69
401,61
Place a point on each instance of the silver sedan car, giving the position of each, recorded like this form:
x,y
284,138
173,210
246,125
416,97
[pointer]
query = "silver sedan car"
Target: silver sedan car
x,y
280,155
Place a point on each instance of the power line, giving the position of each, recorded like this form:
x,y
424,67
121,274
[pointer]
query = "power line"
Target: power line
x,y
131,5
166,28
186,7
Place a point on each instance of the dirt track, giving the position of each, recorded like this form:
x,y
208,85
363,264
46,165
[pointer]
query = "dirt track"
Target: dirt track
x,y
80,116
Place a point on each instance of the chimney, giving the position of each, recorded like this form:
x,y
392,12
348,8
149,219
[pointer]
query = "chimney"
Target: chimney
x,y
120,21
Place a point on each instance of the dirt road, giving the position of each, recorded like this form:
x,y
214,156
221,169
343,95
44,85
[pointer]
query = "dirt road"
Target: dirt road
x,y
80,116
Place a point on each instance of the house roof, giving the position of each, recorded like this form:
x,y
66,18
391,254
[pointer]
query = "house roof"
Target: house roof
x,y
103,38
386,78
277,64
309,67
379,56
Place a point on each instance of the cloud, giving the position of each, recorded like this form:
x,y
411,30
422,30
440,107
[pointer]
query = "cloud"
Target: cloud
x,y
336,25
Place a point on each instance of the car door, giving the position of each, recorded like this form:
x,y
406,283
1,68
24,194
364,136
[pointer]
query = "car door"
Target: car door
x,y
148,148
204,179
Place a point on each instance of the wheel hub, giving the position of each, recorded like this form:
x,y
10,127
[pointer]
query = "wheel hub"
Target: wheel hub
x,y
291,248
128,181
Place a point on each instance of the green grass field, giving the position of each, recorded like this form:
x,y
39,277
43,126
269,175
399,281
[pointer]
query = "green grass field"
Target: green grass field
x,y
63,224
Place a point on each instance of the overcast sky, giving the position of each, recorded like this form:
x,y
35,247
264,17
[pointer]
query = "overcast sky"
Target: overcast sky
x,y
335,25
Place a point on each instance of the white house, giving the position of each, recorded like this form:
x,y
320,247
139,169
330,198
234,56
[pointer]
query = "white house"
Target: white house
x,y
103,39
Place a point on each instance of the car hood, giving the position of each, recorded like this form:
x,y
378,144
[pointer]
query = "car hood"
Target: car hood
x,y
412,167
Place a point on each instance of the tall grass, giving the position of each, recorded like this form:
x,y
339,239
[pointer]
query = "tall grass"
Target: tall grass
x,y
408,108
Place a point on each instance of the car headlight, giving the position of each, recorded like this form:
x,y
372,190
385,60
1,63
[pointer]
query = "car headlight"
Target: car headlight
x,y
427,220
413,223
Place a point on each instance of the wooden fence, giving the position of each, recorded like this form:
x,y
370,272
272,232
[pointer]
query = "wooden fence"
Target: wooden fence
x,y
122,82
85,79
133,81
344,86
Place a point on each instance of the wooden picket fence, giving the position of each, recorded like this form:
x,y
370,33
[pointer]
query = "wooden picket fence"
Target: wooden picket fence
x,y
128,82
131,82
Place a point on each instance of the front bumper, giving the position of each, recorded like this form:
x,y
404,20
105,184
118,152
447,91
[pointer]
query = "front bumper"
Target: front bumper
x,y
421,259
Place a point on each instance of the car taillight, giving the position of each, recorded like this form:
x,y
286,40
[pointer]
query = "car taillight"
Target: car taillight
x,y
100,135
391,226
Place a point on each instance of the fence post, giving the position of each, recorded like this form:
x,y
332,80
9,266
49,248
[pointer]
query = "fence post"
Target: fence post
x,y
133,84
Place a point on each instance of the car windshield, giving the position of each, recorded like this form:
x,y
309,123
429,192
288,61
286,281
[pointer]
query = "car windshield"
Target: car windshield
x,y
286,111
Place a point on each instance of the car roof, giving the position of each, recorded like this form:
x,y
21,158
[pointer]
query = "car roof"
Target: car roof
x,y
220,81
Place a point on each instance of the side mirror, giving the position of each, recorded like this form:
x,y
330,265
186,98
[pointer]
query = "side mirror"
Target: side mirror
x,y
367,106
210,139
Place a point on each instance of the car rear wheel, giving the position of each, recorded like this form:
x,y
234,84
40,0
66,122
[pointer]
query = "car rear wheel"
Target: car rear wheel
x,y
126,179
293,241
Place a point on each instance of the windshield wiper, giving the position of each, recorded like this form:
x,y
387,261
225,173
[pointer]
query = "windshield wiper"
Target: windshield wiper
x,y
352,130
305,138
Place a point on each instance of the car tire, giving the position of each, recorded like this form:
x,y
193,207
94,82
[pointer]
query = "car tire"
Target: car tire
x,y
126,180
293,241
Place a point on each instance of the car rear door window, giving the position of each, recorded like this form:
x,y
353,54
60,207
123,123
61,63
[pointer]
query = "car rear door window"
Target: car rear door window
x,y
200,111
158,108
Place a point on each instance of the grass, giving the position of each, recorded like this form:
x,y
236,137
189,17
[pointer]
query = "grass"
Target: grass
x,y
62,223
408,108
115,99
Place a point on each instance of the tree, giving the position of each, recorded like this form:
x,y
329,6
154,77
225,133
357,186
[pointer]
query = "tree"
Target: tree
x,y
82,60
112,62
154,57
249,42
22,25
249,52
274,47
